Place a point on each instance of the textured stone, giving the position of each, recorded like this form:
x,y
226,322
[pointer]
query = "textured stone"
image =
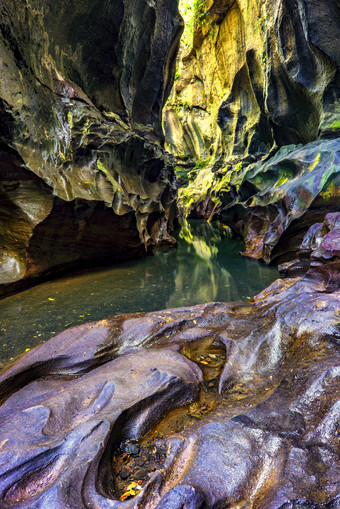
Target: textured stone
x,y
81,91
70,403
256,74
273,203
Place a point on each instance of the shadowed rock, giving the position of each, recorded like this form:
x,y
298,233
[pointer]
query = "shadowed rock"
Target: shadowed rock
x,y
81,92
278,200
69,428
269,438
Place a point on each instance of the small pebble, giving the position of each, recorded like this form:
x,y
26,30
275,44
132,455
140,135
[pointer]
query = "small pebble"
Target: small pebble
x,y
131,449
141,474
140,462
124,473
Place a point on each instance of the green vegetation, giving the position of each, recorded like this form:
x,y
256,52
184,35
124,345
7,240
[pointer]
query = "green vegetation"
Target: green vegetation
x,y
185,176
193,14
108,175
209,186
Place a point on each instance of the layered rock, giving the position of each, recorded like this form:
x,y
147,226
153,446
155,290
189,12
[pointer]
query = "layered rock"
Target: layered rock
x,y
82,87
273,203
254,78
262,432
254,75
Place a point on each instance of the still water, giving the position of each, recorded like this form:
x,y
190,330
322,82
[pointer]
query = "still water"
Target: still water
x,y
205,267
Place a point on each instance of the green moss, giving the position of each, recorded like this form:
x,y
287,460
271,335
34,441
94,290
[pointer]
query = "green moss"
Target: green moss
x,y
107,174
70,119
210,185
196,16
202,163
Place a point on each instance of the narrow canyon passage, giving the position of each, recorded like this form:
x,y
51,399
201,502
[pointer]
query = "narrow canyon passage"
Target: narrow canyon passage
x,y
142,366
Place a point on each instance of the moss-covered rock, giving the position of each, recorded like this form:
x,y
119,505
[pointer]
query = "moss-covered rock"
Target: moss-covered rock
x,y
273,203
82,86
282,197
252,76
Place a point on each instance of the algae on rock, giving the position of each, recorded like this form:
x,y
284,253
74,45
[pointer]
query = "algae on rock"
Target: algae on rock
x,y
254,76
82,87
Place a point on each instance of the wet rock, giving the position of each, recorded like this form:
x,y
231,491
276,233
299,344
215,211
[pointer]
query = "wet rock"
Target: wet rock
x,y
270,439
129,448
81,111
91,419
280,199
252,75
271,204
318,251
124,473
141,474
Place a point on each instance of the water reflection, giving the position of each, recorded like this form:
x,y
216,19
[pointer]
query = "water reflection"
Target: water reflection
x,y
205,267
209,267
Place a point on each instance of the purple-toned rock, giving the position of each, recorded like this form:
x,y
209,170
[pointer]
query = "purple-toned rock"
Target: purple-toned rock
x,y
256,388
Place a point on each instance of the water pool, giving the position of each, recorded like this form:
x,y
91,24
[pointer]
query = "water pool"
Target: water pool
x,y
205,267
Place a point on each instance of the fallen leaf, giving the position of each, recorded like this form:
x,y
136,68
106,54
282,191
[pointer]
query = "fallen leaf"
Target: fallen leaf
x,y
132,490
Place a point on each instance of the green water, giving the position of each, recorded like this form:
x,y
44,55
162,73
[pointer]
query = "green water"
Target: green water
x,y
205,267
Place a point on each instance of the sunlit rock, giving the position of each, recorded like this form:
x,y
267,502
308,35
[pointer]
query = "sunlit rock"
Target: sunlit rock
x,y
273,203
251,76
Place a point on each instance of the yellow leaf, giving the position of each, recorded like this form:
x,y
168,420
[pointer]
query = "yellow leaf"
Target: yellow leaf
x,y
50,298
203,362
125,495
131,492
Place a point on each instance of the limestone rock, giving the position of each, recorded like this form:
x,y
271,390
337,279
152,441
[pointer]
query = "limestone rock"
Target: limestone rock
x,y
255,75
81,91
291,191
273,203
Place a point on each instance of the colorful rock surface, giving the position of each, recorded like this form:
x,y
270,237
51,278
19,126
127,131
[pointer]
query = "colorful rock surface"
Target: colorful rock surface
x,y
267,432
81,92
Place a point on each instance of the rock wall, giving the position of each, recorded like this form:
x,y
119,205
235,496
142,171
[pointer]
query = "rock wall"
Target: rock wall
x,y
82,86
254,119
256,75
